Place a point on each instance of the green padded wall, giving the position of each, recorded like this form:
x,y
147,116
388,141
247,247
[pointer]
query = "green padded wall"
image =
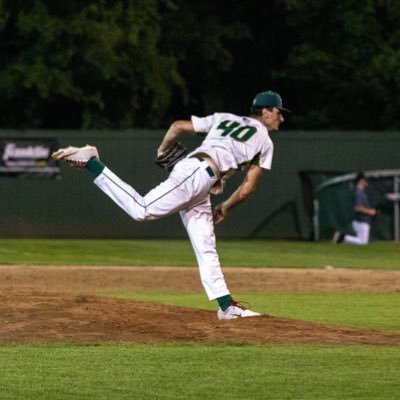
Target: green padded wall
x,y
73,207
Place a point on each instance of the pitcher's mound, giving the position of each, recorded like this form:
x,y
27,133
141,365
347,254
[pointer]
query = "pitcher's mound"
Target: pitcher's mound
x,y
43,317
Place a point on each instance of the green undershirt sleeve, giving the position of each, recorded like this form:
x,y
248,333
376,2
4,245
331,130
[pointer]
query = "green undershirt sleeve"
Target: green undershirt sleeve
x,y
95,166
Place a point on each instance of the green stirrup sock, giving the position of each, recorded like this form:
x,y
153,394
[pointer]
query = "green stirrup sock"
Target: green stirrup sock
x,y
95,166
224,301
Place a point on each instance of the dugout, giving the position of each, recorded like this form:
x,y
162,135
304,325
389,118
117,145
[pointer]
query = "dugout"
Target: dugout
x,y
333,204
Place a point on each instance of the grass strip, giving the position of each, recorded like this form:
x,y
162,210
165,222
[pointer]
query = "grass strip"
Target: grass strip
x,y
233,253
365,310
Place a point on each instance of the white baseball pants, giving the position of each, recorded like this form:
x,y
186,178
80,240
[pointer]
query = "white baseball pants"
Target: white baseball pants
x,y
362,233
187,191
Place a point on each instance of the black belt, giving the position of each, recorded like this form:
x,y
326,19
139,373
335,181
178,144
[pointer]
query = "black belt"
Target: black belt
x,y
208,169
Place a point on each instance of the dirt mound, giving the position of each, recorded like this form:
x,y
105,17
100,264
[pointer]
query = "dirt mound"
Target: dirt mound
x,y
37,316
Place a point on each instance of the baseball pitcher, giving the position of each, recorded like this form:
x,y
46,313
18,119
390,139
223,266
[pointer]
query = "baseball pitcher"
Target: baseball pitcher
x,y
231,143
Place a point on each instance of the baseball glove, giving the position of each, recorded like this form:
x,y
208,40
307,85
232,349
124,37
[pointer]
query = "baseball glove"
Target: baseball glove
x,y
171,156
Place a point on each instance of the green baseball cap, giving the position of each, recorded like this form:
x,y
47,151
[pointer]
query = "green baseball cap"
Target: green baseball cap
x,y
268,99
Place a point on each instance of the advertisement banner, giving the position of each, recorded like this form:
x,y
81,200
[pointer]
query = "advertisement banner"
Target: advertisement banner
x,y
28,158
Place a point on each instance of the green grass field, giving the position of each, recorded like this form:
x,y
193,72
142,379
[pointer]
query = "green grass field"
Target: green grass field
x,y
199,371
233,253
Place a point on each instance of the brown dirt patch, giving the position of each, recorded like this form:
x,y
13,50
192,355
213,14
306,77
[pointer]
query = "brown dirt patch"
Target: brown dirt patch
x,y
58,304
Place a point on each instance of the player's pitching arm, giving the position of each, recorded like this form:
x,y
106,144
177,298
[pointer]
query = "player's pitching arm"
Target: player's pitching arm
x,y
241,194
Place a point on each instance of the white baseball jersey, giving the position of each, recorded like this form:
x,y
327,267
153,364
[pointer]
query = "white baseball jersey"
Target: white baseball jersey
x,y
234,142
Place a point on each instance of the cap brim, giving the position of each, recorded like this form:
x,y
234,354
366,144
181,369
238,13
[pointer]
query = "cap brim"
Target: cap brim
x,y
284,109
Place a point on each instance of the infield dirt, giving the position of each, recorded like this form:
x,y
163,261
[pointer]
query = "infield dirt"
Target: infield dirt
x,y
61,304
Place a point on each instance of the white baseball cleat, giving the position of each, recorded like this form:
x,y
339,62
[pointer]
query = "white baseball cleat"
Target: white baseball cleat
x,y
77,157
236,310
